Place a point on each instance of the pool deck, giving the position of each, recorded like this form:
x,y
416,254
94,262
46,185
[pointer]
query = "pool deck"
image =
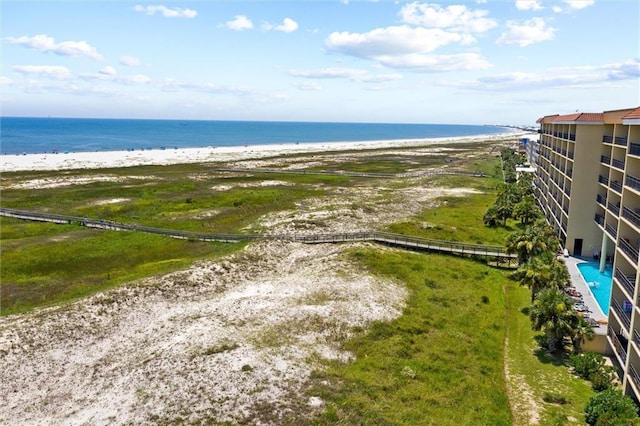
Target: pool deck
x,y
578,282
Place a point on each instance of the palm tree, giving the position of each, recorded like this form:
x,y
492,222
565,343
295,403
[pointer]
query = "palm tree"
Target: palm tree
x,y
535,274
526,210
526,243
582,331
490,217
552,312
559,274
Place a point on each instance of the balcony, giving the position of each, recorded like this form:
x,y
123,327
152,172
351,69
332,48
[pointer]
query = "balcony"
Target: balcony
x,y
607,139
601,200
620,140
599,219
605,160
617,341
634,376
619,164
629,283
611,230
631,216
633,182
616,186
634,149
628,250
572,137
622,314
636,338
615,209
570,155
603,180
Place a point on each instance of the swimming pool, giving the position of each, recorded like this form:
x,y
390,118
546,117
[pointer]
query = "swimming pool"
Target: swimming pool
x,y
599,283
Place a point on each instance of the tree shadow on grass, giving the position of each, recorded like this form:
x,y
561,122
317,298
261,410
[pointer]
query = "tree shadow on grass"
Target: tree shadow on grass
x,y
546,357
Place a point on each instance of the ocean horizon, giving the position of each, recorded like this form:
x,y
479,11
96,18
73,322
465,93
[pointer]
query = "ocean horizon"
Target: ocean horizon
x,y
33,135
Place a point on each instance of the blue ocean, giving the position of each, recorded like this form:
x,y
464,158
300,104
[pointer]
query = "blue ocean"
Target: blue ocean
x,y
39,135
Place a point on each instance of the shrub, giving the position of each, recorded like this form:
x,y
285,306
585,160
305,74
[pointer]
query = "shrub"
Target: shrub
x,y
610,407
586,364
604,378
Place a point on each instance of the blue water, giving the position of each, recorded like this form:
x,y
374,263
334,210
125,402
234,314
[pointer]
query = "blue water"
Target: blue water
x,y
599,283
39,135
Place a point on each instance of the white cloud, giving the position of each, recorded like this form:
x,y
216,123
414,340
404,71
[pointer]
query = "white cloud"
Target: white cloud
x,y
407,48
349,73
5,81
532,31
352,74
166,11
130,61
436,63
311,86
44,43
50,71
579,4
528,5
288,26
569,77
108,70
556,9
397,40
239,23
456,17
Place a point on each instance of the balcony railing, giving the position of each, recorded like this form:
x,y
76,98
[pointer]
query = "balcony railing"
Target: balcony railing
x,y
634,375
614,209
634,149
616,186
601,200
633,182
628,250
629,283
605,160
636,338
620,140
618,164
607,139
631,216
625,317
611,230
603,180
599,219
617,345
572,137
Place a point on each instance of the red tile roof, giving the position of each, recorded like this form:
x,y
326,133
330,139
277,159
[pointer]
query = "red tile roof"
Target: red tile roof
x,y
635,114
583,117
591,117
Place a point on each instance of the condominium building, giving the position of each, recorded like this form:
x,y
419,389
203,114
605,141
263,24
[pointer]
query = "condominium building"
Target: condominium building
x,y
588,187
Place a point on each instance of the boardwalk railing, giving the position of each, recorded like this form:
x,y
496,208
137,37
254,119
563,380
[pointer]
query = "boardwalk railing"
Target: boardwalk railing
x,y
350,174
494,254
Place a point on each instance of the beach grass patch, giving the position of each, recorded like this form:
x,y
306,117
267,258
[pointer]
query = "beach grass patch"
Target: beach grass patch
x,y
421,367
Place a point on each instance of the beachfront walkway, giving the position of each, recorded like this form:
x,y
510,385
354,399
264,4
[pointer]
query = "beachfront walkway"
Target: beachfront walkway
x,y
578,282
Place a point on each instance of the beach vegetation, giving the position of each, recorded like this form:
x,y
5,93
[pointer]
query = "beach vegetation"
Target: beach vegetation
x,y
425,362
611,407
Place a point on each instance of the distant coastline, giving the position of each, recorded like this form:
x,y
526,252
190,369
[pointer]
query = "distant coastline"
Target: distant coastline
x,y
112,159
33,135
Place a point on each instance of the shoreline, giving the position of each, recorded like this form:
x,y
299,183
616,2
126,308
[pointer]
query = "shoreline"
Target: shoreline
x,y
114,159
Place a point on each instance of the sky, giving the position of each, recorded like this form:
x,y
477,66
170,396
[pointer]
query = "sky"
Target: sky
x,y
459,62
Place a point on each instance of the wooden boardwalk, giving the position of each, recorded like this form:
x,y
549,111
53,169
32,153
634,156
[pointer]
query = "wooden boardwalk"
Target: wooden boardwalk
x,y
494,255
350,174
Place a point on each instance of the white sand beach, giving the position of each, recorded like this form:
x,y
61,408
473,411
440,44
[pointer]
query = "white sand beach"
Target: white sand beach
x,y
109,159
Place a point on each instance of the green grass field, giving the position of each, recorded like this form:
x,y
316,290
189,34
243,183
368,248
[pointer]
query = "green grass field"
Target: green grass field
x,y
440,363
